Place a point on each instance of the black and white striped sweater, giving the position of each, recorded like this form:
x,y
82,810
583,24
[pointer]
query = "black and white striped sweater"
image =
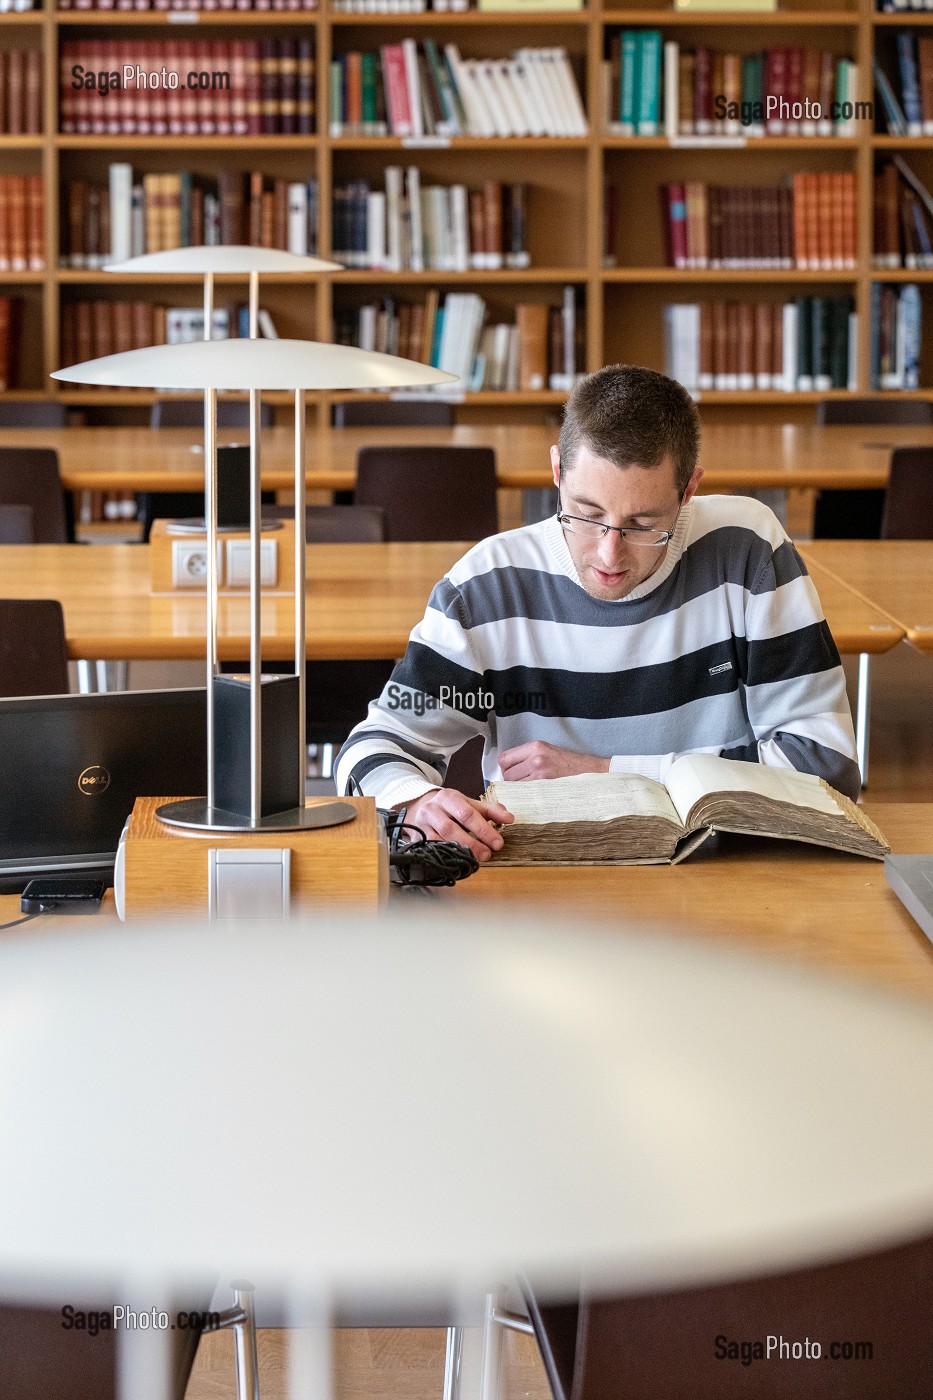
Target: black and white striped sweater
x,y
724,649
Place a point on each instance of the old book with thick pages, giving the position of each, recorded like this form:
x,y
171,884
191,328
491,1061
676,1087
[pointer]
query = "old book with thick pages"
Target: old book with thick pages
x,y
623,819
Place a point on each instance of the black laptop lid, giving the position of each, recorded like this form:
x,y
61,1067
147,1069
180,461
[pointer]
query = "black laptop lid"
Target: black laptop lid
x,y
71,766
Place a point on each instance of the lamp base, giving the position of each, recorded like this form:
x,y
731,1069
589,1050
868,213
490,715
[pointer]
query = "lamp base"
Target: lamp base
x,y
194,813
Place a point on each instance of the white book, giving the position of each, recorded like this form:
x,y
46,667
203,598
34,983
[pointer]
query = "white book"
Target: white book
x,y
415,228
460,226
485,353
501,75
376,229
542,96
367,327
429,234
480,70
568,94
297,218
500,357
671,89
475,315
451,334
543,63
266,325
569,316
479,121
513,360
445,227
121,211
789,348
393,183
410,50
524,96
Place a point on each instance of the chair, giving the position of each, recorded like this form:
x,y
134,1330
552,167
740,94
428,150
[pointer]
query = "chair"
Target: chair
x,y
908,501
189,413
29,476
430,493
33,650
336,524
16,525
18,413
392,413
856,515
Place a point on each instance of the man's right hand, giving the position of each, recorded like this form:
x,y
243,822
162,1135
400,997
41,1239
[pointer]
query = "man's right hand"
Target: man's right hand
x,y
446,815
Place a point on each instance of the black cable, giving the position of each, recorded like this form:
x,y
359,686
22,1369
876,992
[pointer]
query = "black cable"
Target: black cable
x,y
24,920
416,860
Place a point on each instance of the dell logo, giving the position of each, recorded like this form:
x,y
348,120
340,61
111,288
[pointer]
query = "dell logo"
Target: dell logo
x,y
94,780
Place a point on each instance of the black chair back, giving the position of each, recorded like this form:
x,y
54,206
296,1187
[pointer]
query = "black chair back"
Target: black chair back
x,y
26,413
908,501
392,413
189,413
430,493
856,515
16,525
29,476
33,649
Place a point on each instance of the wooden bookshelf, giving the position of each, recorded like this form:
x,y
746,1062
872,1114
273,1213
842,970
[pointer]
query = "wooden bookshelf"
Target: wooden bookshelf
x,y
565,178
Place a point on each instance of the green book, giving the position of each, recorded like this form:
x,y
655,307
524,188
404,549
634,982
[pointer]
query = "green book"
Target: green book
x,y
804,343
184,199
820,345
628,86
649,83
336,98
368,94
451,123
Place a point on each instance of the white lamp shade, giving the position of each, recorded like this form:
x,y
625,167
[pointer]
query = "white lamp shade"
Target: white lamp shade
x,y
404,1104
231,259
254,364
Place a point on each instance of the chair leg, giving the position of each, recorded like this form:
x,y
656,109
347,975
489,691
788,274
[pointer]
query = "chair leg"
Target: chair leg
x,y
244,1344
452,1363
492,1349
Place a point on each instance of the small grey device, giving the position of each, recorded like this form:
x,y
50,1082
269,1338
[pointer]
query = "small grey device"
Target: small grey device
x,y
911,879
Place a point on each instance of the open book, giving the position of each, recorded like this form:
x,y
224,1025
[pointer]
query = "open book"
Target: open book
x,y
622,819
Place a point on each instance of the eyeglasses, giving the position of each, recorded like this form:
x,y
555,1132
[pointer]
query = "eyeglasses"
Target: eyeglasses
x,y
596,530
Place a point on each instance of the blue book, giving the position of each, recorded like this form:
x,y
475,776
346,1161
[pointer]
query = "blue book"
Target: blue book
x,y
628,85
910,319
648,106
874,346
894,116
910,83
436,337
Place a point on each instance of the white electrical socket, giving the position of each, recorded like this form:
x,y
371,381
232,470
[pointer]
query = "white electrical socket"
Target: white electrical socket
x,y
238,563
189,564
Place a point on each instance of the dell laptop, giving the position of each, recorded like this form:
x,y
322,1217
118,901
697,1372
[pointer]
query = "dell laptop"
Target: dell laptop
x,y
72,767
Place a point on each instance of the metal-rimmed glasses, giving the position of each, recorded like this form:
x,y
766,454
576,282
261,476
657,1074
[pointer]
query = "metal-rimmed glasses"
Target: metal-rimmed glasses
x,y
596,530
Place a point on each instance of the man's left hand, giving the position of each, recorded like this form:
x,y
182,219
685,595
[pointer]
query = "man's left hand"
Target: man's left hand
x,y
541,760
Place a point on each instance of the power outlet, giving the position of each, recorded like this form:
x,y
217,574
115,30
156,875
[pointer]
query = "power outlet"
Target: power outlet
x,y
189,564
238,563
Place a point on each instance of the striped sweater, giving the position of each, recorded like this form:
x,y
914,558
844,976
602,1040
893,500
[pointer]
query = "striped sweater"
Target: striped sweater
x,y
723,649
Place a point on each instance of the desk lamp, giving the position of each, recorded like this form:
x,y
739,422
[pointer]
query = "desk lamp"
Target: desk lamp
x,y
256,750
435,1104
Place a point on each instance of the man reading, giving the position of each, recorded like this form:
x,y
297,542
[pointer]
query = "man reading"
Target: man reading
x,y
640,623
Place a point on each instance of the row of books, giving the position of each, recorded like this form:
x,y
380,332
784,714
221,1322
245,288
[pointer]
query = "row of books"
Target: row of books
x,y
11,324
22,223
903,218
655,86
101,327
890,7
909,113
407,227
896,336
20,92
399,7
240,87
809,223
414,90
179,210
94,5
807,344
542,349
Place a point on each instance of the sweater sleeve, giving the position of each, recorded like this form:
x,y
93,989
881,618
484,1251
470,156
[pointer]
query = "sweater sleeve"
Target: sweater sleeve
x,y
434,702
793,683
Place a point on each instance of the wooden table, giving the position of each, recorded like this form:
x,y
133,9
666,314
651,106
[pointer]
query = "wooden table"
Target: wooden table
x,y
363,601
894,576
782,897
735,458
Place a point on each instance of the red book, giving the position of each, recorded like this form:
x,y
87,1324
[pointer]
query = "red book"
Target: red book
x,y
775,86
795,91
174,106
15,92
675,224
396,88
4,223
238,88
221,62
703,91
66,93
269,81
158,94
127,104
189,98
33,113
207,97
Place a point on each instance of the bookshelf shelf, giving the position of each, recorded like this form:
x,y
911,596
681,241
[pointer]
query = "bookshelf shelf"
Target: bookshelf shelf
x,y
735,145
904,17
26,17
728,18
20,279
183,143
486,398
182,19
95,277
727,276
537,275
22,143
908,143
770,396
901,274
431,19
417,144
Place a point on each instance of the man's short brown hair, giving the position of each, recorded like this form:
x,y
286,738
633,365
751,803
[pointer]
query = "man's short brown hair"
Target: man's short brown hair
x,y
632,417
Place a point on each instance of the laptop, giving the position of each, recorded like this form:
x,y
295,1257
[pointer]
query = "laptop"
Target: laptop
x,y
73,765
911,879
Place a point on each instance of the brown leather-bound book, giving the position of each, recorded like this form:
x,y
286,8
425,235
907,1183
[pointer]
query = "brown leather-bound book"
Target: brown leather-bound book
x,y
207,97
720,352
416,333
837,222
221,61
254,87
126,102
925,64
84,321
430,317
811,89
3,74
35,222
801,246
174,105
686,85
477,230
824,219
16,197
152,203
254,214
827,91
122,326
306,86
693,191
288,87
816,239
786,227
908,228
190,103
271,94
158,325
68,325
103,227
143,334
33,101
515,224
238,88
879,252
890,217
719,84
103,328
171,210
731,84
745,314
764,353
555,341
267,219
16,92
794,91
703,91
777,346
849,233
714,224
732,345
6,310
230,193
532,322
280,214
492,223
706,378
727,251
404,330
77,191
4,223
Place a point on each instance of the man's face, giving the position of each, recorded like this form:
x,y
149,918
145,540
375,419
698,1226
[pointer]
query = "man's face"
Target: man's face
x,y
610,567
